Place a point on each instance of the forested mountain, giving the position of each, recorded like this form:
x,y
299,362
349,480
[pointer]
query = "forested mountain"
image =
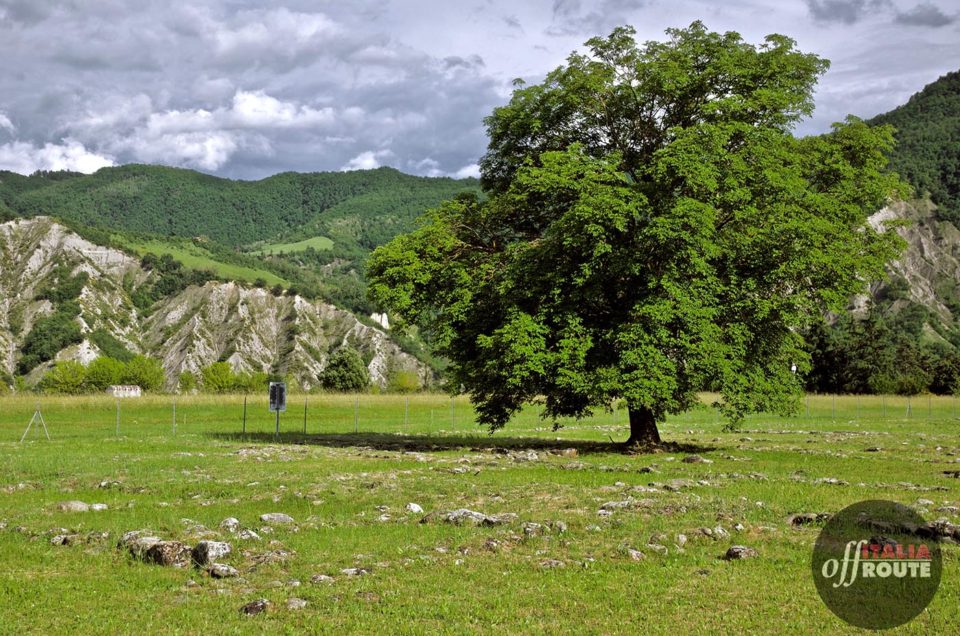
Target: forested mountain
x,y
927,153
177,202
904,336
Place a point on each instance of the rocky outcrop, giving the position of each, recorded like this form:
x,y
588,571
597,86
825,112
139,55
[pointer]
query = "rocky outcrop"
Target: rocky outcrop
x,y
250,328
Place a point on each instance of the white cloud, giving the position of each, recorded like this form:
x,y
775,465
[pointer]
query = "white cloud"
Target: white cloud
x,y
367,160
70,154
257,109
6,124
473,170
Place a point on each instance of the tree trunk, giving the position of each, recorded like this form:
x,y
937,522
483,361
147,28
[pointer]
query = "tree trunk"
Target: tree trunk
x,y
643,427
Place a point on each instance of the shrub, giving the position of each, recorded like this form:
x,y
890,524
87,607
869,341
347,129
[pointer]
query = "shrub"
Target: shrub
x,y
103,372
145,372
218,378
345,372
67,377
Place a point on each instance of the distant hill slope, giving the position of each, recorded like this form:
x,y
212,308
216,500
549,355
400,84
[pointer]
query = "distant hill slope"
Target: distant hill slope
x,y
927,153
177,202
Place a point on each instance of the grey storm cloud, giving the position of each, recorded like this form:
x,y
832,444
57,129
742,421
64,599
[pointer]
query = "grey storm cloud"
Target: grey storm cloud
x,y
245,88
925,14
574,17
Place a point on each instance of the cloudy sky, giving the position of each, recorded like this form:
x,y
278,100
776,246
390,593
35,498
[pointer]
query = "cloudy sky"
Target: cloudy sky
x,y
248,89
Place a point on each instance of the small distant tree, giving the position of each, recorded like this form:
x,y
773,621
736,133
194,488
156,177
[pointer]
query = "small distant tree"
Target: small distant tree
x,y
187,382
147,373
345,372
66,377
402,381
218,378
103,372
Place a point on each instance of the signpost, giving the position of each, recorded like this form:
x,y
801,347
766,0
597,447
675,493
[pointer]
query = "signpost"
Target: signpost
x,y
278,401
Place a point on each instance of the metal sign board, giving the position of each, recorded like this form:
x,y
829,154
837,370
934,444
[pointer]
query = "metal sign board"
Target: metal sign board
x,y
278,397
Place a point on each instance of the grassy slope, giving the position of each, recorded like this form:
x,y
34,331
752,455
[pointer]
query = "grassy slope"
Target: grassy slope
x,y
438,578
195,257
317,243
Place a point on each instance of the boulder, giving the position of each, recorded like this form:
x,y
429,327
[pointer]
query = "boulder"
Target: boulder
x,y
207,552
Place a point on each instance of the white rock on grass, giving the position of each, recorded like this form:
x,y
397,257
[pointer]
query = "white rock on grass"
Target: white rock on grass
x,y
98,507
73,506
414,508
230,524
207,552
222,571
276,517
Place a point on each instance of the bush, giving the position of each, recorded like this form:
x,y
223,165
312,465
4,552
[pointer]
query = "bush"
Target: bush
x,y
187,382
218,378
103,372
145,372
345,372
403,382
48,336
67,377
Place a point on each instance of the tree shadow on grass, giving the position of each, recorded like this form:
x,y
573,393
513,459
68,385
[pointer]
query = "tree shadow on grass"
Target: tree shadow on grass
x,y
435,443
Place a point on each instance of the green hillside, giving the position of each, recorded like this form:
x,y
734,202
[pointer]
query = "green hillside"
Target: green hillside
x,y
177,202
927,153
320,243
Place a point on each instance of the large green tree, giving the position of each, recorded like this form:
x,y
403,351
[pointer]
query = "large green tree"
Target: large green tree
x,y
651,228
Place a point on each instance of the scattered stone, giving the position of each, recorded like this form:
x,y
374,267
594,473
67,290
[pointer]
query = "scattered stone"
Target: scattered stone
x,y
525,456
463,516
558,526
551,564
255,607
73,506
924,502
833,481
317,579
248,535
739,527
168,553
207,552
355,571
948,509
295,604
532,529
98,507
873,449
806,518
569,452
696,459
618,505
659,549
681,540
414,508
647,469
222,571
739,552
276,517
230,524
636,555
66,539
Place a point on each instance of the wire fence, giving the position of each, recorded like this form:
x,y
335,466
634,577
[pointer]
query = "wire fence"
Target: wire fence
x,y
418,414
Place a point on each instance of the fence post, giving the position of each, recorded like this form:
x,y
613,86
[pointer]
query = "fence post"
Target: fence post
x,y
406,411
834,407
244,414
174,416
908,407
356,415
883,406
118,417
304,415
453,417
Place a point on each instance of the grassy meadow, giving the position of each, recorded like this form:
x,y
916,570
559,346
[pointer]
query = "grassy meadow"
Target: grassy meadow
x,y
347,483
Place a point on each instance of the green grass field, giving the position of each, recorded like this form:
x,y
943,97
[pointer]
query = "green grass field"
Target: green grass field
x,y
318,243
194,257
347,483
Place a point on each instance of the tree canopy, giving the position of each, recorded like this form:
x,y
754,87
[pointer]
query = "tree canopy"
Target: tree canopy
x,y
652,228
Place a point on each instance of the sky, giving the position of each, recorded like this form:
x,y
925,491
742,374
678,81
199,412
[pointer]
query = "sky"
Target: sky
x,y
246,89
